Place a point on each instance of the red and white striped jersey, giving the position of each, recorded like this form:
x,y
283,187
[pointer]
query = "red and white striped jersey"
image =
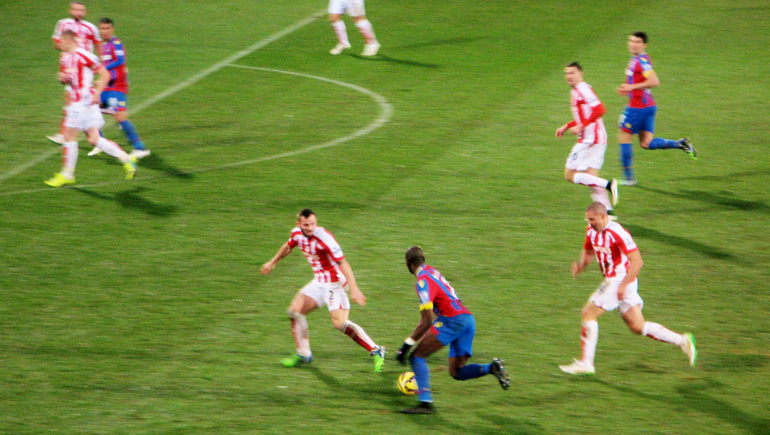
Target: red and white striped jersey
x,y
582,101
612,245
88,34
322,252
80,66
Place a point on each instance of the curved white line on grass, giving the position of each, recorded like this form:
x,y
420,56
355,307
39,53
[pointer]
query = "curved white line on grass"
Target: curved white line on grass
x,y
178,87
386,112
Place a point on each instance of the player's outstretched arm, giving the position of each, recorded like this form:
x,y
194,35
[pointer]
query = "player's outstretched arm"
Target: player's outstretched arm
x,y
268,267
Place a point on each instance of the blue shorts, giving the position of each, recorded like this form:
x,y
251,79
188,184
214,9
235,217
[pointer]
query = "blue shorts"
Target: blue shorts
x,y
456,332
637,120
117,101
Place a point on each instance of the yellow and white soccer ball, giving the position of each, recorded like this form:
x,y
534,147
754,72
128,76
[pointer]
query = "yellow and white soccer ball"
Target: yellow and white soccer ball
x,y
407,384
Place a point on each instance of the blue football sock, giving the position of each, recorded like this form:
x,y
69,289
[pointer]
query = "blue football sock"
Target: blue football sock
x,y
422,375
132,135
627,160
663,144
473,371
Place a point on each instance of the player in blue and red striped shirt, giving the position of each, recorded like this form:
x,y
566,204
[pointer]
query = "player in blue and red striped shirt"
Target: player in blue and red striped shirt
x,y
445,322
639,116
115,96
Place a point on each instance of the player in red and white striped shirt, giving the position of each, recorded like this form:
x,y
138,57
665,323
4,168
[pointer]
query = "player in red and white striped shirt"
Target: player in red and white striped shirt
x,y
77,69
88,39
331,274
620,261
587,156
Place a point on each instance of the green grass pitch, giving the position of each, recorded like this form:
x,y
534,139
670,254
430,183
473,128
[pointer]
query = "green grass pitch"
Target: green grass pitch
x,y
137,307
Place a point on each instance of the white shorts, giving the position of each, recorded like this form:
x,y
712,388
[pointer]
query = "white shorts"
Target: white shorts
x,y
584,156
331,294
606,296
84,117
354,8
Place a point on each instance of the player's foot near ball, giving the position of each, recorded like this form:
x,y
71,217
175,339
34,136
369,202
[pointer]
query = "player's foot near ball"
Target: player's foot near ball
x,y
422,408
296,360
578,368
339,48
497,369
379,358
627,182
687,146
689,348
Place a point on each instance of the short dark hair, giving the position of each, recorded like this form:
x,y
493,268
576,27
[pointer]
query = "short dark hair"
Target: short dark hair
x,y
641,35
414,258
106,20
305,213
576,65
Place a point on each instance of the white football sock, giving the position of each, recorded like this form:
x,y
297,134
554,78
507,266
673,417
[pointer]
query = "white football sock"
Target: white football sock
x,y
301,334
367,31
341,31
600,194
358,335
660,333
113,149
589,180
589,336
70,153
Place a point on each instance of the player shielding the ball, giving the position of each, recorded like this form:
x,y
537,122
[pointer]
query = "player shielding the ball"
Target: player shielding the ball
x,y
452,325
332,273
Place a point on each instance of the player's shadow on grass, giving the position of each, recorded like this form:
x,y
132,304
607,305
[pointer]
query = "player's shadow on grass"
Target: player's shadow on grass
x,y
723,200
693,395
158,163
130,199
388,59
445,41
709,251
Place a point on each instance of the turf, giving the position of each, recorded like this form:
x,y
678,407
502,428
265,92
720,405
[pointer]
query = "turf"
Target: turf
x,y
137,307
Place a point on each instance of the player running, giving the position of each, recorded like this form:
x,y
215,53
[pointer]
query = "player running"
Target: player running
x,y
639,117
452,325
587,156
332,274
77,70
114,98
620,261
88,39
356,9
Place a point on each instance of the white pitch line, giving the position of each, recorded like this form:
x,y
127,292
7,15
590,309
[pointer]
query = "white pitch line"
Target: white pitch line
x,y
386,112
180,86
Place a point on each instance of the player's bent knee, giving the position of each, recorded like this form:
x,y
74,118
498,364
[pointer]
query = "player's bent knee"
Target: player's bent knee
x,y
342,326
